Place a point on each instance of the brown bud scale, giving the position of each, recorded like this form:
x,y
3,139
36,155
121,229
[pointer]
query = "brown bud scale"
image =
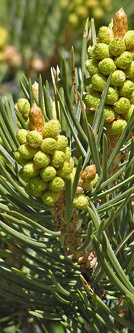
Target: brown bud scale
x,y
120,25
36,119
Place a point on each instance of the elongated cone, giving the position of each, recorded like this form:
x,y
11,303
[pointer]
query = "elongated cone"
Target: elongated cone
x,y
120,25
36,119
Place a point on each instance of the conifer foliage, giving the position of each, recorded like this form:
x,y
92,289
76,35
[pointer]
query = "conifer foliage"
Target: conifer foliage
x,y
67,188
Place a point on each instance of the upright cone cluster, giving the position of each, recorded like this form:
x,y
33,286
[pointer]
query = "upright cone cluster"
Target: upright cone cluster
x,y
113,54
46,160
46,157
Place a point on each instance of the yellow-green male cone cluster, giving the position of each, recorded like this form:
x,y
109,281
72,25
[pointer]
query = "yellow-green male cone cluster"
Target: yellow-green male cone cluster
x,y
46,158
46,161
113,54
